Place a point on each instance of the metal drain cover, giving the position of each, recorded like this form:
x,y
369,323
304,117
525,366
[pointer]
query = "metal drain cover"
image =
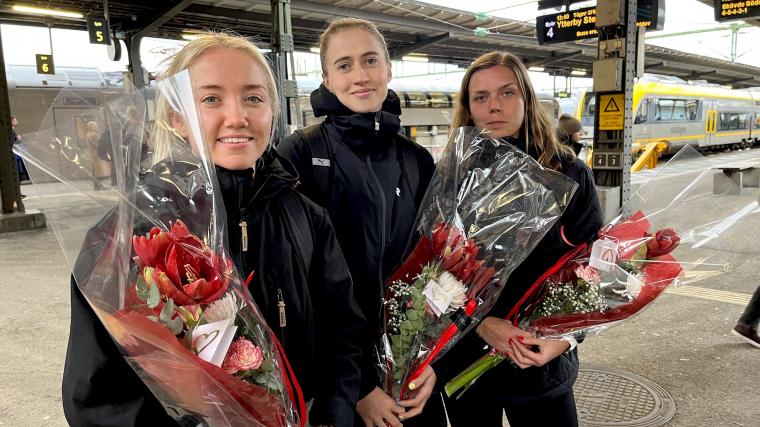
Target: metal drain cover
x,y
611,397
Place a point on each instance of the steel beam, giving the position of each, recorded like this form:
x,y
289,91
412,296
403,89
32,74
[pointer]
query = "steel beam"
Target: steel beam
x,y
554,57
419,45
9,180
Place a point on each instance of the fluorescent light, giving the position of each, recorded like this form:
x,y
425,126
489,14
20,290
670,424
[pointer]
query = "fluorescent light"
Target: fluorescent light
x,y
43,11
578,73
415,58
536,69
191,36
314,49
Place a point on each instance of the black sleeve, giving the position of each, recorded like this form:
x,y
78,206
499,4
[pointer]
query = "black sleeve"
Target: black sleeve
x,y
99,386
583,217
340,328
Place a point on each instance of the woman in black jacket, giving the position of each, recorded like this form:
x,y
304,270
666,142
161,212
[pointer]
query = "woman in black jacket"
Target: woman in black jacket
x,y
369,177
535,387
287,240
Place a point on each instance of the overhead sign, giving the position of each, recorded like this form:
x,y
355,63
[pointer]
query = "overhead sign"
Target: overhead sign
x,y
97,28
612,113
580,24
732,10
45,64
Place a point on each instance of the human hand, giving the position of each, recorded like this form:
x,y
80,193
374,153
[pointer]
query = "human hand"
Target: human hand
x,y
544,350
422,388
498,333
379,409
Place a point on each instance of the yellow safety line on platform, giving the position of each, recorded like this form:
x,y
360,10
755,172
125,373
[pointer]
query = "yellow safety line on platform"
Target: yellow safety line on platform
x,y
711,294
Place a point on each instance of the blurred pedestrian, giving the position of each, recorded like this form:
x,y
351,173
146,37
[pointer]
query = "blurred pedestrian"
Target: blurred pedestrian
x,y
569,132
101,167
23,174
746,327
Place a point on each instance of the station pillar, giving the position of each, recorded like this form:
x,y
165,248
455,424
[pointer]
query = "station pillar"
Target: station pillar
x,y
284,64
620,50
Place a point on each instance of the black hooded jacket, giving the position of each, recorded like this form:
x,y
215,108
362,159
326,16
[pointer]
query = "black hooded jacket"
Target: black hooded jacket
x,y
579,223
372,204
324,326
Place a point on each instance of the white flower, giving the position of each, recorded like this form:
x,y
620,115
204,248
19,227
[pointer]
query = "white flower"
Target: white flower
x,y
222,309
633,286
453,288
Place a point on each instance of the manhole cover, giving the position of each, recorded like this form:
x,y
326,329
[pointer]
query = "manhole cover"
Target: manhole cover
x,y
611,397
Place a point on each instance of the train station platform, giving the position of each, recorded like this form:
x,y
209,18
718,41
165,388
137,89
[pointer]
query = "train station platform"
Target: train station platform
x,y
676,364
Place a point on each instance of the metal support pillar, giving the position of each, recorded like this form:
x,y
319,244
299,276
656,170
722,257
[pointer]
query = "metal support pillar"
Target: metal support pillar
x,y
614,71
282,57
10,189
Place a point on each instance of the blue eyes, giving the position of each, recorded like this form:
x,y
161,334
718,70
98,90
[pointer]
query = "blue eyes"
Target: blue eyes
x,y
368,62
211,99
483,98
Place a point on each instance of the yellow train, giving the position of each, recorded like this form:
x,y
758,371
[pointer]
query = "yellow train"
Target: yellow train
x,y
670,113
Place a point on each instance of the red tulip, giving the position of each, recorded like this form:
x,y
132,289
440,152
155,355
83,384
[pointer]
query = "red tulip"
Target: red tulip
x,y
664,242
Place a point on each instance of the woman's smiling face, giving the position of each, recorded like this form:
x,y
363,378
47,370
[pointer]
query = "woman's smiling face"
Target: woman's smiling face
x,y
230,89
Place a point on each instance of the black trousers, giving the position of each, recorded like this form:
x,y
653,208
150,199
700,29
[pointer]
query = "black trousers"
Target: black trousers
x,y
557,410
752,313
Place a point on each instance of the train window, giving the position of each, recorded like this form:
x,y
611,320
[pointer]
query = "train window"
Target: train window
x,y
691,109
643,112
664,109
588,114
439,100
732,121
417,99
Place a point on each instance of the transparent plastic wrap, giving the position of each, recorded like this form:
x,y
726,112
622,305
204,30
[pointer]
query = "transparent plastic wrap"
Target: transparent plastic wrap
x,y
488,205
154,268
682,229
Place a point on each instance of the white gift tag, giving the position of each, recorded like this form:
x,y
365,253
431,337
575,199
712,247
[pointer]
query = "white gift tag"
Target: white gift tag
x,y
437,298
604,255
212,340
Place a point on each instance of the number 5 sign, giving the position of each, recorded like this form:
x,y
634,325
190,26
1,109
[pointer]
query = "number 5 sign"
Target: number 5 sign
x,y
98,31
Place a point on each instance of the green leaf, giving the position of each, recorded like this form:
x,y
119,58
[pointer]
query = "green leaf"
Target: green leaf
x,y
167,312
154,297
142,288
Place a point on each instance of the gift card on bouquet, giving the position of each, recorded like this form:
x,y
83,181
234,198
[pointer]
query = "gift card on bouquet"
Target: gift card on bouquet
x,y
604,254
212,340
437,298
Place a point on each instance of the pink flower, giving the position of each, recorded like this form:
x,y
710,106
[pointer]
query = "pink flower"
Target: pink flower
x,y
243,355
588,274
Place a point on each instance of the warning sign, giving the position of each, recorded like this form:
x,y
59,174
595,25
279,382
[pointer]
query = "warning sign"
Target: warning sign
x,y
611,114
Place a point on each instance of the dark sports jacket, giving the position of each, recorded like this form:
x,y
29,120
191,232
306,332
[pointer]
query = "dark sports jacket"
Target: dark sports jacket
x,y
324,328
581,221
371,203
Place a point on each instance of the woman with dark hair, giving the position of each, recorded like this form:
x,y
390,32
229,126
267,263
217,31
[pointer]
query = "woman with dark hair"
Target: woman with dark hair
x,y
535,387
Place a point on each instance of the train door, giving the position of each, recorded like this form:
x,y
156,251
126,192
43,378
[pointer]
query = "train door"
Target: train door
x,y
711,122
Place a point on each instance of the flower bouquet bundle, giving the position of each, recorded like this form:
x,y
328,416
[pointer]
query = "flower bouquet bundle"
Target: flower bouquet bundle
x,y
488,205
633,261
148,253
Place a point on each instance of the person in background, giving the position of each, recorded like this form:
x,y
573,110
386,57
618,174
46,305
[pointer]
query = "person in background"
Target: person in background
x,y
569,132
370,178
268,225
534,388
23,174
746,327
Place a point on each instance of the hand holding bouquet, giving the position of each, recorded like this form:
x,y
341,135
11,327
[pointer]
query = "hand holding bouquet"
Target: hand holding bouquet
x,y
486,208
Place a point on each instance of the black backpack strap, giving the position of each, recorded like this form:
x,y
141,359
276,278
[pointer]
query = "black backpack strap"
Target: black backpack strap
x,y
411,168
321,163
299,224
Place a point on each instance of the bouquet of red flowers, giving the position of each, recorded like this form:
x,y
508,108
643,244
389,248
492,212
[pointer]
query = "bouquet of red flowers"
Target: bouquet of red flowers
x,y
631,263
154,268
486,208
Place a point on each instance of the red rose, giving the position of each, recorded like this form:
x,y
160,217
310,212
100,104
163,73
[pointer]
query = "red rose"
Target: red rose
x,y
243,355
664,242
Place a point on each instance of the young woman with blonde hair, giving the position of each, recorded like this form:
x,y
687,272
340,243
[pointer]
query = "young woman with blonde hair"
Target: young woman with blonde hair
x,y
236,97
535,389
370,178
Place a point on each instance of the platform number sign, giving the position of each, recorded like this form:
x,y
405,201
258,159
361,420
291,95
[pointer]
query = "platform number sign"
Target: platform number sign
x,y
98,31
732,10
45,64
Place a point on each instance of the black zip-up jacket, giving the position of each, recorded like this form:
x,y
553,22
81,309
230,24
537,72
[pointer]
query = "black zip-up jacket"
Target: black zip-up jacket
x,y
372,204
579,223
324,328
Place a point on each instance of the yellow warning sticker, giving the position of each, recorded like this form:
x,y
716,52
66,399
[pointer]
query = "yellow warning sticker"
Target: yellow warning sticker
x,y
611,115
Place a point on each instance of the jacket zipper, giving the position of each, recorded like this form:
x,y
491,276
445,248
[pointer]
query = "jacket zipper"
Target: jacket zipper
x,y
382,223
282,315
243,229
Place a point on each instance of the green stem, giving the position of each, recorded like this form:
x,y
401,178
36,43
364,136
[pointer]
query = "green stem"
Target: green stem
x,y
468,377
